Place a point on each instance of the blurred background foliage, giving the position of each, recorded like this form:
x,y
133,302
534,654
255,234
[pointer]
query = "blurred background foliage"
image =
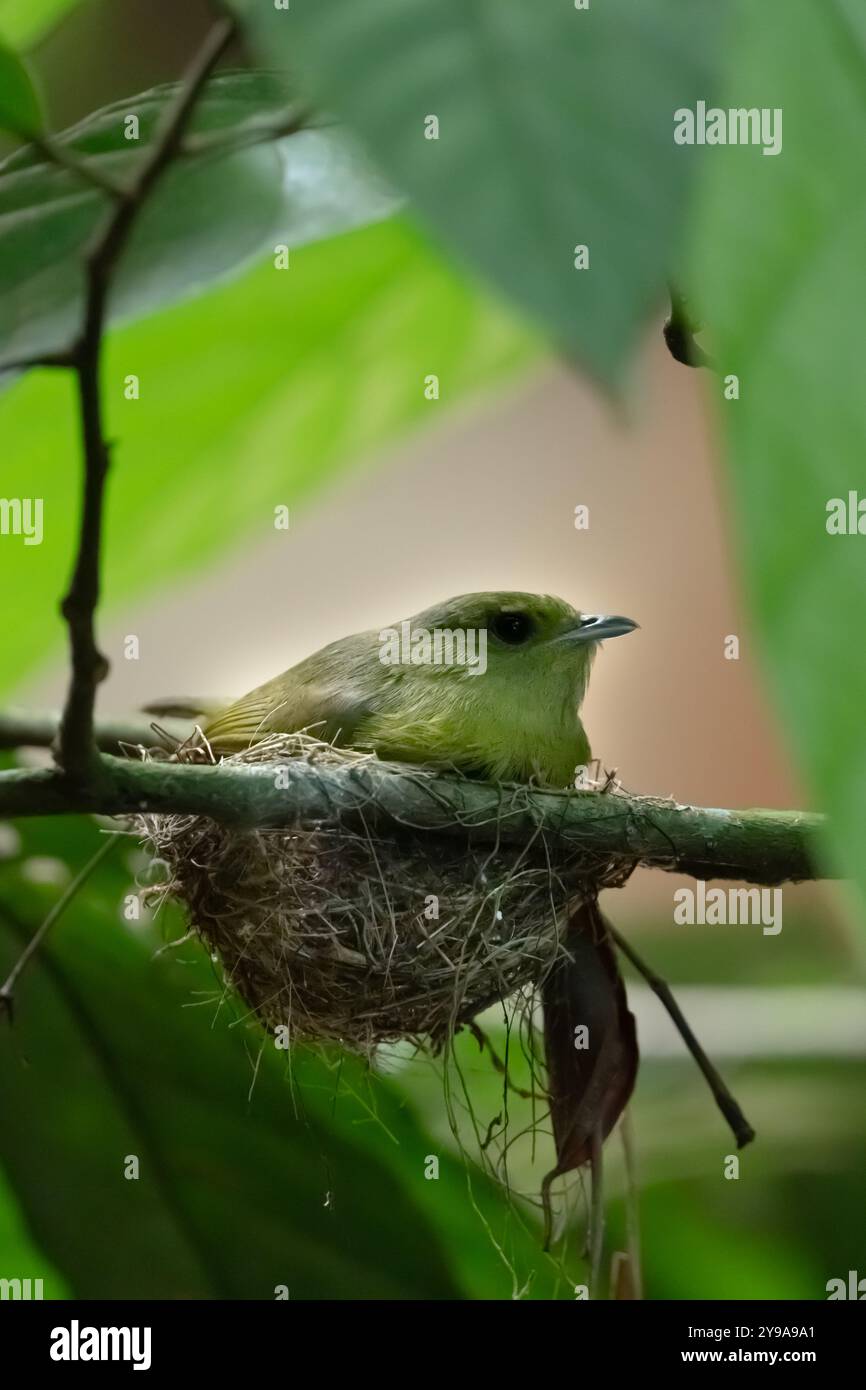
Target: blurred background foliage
x,y
212,445
259,1170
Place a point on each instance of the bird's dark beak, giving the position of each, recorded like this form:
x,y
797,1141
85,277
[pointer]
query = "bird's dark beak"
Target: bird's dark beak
x,y
597,627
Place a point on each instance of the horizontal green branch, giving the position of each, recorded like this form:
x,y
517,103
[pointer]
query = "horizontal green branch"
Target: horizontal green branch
x,y
759,846
21,729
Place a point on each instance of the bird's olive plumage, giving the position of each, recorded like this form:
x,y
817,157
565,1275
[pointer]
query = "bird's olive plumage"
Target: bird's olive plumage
x,y
516,720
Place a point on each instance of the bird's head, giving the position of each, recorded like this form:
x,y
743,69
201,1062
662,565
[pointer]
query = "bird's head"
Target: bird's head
x,y
521,640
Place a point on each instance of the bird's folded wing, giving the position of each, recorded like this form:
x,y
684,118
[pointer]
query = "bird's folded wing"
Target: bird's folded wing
x,y
332,715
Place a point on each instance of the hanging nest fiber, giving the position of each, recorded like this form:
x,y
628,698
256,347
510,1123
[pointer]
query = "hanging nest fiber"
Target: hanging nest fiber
x,y
340,935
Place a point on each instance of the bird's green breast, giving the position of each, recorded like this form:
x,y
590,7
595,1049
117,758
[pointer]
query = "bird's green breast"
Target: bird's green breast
x,y
511,739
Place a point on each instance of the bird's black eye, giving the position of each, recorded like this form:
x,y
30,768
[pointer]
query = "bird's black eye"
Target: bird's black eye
x,y
512,628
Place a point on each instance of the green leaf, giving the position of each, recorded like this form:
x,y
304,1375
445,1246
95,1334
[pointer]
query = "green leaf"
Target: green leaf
x,y
206,219
23,22
555,130
20,110
694,1251
777,270
241,1187
20,1257
252,396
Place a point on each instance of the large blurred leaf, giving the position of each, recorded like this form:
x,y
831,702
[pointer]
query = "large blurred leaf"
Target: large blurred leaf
x,y
556,129
238,1191
252,396
209,215
20,1257
19,105
713,1239
23,22
779,275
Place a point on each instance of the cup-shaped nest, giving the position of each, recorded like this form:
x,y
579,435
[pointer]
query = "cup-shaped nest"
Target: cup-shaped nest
x,y
336,933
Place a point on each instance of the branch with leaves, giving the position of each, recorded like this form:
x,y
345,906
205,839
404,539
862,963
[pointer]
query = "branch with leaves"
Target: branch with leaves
x,y
77,753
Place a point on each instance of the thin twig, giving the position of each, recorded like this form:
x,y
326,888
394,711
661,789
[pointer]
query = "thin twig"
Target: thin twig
x,y
26,729
7,991
547,1208
499,1066
742,1130
255,133
632,1212
596,1211
85,169
620,1281
76,749
60,357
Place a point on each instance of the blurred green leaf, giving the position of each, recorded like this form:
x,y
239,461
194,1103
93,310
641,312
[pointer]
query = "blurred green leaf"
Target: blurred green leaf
x,y
207,217
494,1243
20,110
23,22
702,1240
777,275
239,1190
20,1257
555,130
252,396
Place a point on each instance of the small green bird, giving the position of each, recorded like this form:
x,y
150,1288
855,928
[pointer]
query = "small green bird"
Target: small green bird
x,y
489,684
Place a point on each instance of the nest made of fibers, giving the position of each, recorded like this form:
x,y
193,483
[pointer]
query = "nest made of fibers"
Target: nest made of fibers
x,y
339,935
